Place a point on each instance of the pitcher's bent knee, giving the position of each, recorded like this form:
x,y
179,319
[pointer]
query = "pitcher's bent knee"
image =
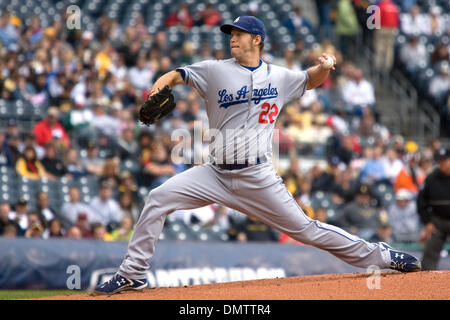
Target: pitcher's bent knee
x,y
156,195
164,193
163,197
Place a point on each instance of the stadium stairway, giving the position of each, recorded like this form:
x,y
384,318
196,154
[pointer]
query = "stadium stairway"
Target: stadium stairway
x,y
398,105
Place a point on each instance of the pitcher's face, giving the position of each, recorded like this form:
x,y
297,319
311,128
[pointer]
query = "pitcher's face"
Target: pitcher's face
x,y
242,44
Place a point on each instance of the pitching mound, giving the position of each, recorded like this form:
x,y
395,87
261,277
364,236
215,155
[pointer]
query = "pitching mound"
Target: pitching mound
x,y
391,285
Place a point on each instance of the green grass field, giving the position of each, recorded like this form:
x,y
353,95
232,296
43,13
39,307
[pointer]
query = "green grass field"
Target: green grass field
x,y
33,294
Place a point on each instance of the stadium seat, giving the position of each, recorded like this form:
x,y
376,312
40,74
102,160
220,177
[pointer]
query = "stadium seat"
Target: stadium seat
x,y
53,189
23,111
384,193
203,236
143,192
425,79
7,186
28,188
388,199
6,197
86,199
430,48
321,199
8,171
167,235
310,41
89,185
215,233
331,216
105,153
48,185
222,8
177,230
39,113
195,231
6,110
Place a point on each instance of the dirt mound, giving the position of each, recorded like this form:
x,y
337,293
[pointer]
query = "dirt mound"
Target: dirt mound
x,y
391,285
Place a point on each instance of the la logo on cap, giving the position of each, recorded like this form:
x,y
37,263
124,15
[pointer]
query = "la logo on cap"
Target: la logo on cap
x,y
237,19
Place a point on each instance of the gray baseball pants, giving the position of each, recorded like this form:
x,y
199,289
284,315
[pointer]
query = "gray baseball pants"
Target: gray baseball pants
x,y
256,191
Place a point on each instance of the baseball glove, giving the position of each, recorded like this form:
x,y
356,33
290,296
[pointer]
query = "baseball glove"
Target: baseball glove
x,y
157,106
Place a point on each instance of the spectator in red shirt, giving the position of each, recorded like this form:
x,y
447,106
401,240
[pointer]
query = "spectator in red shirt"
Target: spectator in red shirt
x,y
210,16
389,14
385,35
50,129
180,18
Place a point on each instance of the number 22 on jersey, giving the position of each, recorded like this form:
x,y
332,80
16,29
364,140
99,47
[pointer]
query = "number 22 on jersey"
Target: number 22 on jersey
x,y
268,114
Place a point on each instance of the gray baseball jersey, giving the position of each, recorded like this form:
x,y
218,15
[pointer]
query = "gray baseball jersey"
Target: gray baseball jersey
x,y
243,105
241,100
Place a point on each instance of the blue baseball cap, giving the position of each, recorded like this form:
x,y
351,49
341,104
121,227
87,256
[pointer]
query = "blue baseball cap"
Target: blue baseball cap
x,y
250,24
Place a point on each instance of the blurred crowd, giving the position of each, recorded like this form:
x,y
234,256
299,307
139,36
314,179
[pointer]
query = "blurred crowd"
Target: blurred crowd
x,y
89,86
412,36
428,46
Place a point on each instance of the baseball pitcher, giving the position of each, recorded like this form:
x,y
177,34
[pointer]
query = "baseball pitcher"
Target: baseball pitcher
x,y
244,96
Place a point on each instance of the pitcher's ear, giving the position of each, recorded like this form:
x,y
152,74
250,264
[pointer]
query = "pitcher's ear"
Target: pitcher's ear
x,y
258,37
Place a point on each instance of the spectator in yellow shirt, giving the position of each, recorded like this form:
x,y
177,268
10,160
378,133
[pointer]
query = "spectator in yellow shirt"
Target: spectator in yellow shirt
x,y
99,232
103,61
29,166
125,231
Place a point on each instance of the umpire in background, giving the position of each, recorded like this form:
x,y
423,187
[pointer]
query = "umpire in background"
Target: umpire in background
x,y
433,205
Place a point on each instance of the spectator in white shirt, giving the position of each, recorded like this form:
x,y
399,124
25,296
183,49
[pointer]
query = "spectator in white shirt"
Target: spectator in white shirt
x,y
79,91
104,122
71,209
20,215
437,23
141,75
403,217
91,160
391,164
289,60
440,85
413,54
43,206
119,69
98,94
201,216
309,98
358,92
105,209
414,22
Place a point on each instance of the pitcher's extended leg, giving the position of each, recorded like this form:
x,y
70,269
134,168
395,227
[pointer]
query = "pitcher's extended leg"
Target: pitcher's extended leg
x,y
194,188
275,206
